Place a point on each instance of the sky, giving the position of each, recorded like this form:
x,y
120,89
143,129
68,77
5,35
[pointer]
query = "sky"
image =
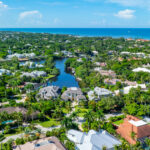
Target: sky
x,y
74,13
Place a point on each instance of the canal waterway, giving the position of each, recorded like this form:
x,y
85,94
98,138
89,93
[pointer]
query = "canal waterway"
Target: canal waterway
x,y
64,78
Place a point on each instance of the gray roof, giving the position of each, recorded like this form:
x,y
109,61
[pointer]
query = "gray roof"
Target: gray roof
x,y
79,135
34,74
104,139
74,93
49,92
22,110
93,140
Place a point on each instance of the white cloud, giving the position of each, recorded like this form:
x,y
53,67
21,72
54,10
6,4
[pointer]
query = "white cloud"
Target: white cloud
x,y
57,21
125,14
2,5
30,14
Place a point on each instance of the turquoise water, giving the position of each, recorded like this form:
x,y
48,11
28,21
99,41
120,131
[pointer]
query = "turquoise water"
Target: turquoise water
x,y
112,32
8,121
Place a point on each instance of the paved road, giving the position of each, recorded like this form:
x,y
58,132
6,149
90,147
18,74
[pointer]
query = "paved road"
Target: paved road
x,y
44,130
107,116
14,137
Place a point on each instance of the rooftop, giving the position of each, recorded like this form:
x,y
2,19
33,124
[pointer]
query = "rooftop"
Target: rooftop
x,y
137,123
51,143
92,140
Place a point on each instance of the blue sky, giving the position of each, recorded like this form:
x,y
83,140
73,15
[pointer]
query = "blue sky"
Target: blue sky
x,y
74,13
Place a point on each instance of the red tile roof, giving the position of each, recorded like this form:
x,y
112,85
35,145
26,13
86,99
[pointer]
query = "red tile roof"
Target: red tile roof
x,y
126,128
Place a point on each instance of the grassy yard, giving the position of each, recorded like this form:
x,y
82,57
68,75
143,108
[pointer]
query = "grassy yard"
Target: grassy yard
x,y
49,76
15,132
49,123
65,111
82,111
118,122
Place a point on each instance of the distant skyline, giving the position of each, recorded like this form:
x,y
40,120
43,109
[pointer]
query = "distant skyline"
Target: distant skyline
x,y
74,14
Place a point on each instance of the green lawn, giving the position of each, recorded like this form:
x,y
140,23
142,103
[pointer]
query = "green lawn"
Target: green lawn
x,y
118,122
65,111
15,132
49,123
81,110
49,76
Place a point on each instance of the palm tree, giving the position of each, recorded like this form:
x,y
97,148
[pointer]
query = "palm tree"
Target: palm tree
x,y
67,122
74,115
100,116
147,141
104,148
88,116
27,132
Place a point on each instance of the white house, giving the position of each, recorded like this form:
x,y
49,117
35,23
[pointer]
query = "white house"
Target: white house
x,y
25,55
34,74
97,69
127,89
95,52
98,93
49,92
31,64
73,93
141,70
92,140
125,53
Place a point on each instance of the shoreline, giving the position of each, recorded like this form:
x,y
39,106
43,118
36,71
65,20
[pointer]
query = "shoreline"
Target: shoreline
x,y
134,33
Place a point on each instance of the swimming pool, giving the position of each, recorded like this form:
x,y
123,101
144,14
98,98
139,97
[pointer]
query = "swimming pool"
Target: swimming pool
x,y
8,121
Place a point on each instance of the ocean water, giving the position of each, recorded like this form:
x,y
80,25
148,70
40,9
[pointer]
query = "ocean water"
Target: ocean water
x,y
143,33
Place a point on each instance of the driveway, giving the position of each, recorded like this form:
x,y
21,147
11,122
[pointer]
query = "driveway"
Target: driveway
x,y
43,129
14,137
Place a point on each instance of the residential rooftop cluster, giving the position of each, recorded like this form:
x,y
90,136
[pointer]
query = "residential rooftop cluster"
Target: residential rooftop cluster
x,y
62,92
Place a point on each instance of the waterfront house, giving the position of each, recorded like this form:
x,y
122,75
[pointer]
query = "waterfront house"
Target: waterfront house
x,y
133,129
49,143
67,54
31,64
20,56
34,74
73,93
98,93
49,92
92,140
